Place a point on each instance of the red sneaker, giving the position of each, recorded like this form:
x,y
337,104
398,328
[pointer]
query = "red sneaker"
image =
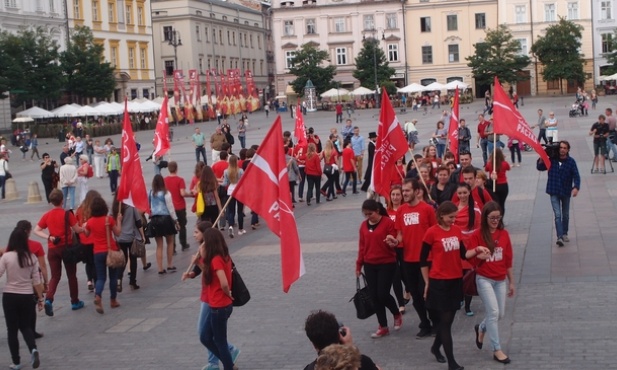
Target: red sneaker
x,y
381,332
398,321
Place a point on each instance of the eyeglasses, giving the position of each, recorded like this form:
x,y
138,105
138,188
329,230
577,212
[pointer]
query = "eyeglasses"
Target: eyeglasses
x,y
494,218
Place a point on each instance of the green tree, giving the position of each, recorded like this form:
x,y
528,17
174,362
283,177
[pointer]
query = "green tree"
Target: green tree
x,y
88,75
559,52
499,55
370,59
307,64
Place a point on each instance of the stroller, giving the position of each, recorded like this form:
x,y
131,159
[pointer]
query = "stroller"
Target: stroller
x,y
576,110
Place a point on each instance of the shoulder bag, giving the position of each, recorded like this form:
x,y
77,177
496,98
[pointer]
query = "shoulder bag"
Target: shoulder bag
x,y
239,291
363,300
469,281
138,249
149,228
75,252
115,259
328,169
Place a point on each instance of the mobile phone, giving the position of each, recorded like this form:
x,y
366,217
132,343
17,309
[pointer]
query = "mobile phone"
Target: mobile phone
x,y
341,329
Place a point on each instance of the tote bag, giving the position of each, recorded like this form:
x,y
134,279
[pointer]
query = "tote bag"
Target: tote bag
x,y
363,301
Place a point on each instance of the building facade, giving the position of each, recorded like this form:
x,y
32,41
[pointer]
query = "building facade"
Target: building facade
x,y
528,20
124,28
16,14
213,34
604,26
339,27
441,34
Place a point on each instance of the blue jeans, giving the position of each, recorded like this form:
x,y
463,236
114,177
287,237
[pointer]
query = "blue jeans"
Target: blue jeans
x,y
561,209
231,213
100,263
204,317
2,183
67,191
113,180
493,295
441,148
242,141
484,147
201,150
214,335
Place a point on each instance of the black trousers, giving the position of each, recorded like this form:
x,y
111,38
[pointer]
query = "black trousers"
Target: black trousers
x,y
379,279
397,281
18,312
132,261
181,214
542,136
501,193
48,187
314,183
415,283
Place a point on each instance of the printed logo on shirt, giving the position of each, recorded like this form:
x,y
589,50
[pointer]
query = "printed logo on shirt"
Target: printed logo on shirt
x,y
393,217
497,255
412,218
450,244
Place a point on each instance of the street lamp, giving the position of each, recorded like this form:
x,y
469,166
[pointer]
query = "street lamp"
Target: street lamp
x,y
375,43
175,41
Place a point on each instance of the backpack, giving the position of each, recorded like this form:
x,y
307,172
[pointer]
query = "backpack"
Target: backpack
x,y
90,172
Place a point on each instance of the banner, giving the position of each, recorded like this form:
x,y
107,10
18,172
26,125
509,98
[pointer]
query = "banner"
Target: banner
x,y
218,89
189,105
211,111
252,97
178,85
234,97
509,121
224,103
268,168
453,127
161,132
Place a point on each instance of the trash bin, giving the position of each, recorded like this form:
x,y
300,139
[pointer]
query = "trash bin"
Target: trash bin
x,y
61,137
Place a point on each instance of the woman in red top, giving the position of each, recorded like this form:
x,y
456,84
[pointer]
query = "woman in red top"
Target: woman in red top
x,y
398,172
349,167
396,199
468,220
444,283
376,254
491,276
430,157
313,173
299,152
498,174
330,157
83,214
100,226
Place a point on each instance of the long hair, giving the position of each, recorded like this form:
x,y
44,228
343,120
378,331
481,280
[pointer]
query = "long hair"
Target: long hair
x,y
199,166
215,246
471,211
328,150
18,242
499,159
232,170
86,205
158,184
208,182
312,150
445,208
485,230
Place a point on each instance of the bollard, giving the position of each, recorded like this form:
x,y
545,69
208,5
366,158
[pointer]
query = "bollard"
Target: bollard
x,y
10,190
34,195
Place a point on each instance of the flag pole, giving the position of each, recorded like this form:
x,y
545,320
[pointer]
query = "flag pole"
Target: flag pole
x,y
421,179
494,159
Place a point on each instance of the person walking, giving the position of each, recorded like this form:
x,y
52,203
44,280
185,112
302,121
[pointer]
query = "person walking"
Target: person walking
x,y
482,141
563,183
440,135
542,126
231,177
313,173
293,174
4,170
177,188
114,169
515,151
34,147
68,180
131,229
600,132
84,172
82,214
216,143
357,144
349,167
100,153
199,142
498,174
242,125
491,275
48,172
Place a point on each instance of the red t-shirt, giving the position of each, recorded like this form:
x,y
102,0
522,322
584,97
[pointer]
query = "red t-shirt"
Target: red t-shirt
x,y
496,267
349,158
99,235
413,222
333,157
36,248
219,168
313,166
482,127
475,193
501,174
85,240
339,109
372,248
54,222
174,184
217,298
299,152
398,173
445,249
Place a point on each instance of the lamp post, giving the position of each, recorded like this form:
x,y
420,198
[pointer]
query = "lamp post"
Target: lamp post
x,y
175,41
375,44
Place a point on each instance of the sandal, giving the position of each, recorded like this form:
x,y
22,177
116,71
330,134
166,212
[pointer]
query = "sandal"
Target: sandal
x,y
162,272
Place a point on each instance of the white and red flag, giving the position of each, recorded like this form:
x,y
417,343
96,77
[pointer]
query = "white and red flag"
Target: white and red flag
x,y
268,170
132,189
390,146
161,133
453,126
300,130
509,121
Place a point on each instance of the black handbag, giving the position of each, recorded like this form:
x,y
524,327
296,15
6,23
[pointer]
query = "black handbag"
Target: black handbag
x,y
328,169
149,229
363,300
239,291
74,253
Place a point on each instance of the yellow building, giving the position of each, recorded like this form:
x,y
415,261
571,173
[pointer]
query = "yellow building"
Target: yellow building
x,y
124,28
441,34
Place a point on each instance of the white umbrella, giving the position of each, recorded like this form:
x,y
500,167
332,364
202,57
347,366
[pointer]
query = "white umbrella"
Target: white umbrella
x,y
362,91
335,93
85,111
23,119
435,86
110,109
452,85
412,88
151,106
35,112
65,110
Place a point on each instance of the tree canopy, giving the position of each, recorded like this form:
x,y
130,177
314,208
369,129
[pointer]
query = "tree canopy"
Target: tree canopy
x,y
499,55
371,58
559,52
307,64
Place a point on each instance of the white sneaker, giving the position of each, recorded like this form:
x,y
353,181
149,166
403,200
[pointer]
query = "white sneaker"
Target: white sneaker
x,y
241,232
565,238
35,361
14,367
231,231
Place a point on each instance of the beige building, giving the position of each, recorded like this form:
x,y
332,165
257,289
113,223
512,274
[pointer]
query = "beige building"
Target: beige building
x,y
528,19
338,27
209,34
441,34
124,28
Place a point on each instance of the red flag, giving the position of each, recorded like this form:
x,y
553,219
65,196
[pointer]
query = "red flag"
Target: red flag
x,y
132,189
161,133
273,201
509,121
453,128
300,130
390,146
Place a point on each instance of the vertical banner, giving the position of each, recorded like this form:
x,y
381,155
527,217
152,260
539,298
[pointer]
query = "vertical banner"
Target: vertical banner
x,y
234,104
199,114
211,111
189,103
178,84
252,96
218,88
225,106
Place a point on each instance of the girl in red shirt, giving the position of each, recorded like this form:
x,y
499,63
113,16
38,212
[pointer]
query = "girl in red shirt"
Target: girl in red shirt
x,y
330,157
313,173
376,254
349,167
491,276
82,215
444,283
396,199
498,174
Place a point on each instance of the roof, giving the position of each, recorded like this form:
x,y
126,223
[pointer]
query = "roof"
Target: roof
x,y
223,4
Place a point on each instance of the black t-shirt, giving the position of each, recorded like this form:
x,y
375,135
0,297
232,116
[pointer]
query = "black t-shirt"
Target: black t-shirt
x,y
365,364
601,130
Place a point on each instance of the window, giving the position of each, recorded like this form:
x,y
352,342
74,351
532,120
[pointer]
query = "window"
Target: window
x,y
391,21
341,56
198,33
392,52
607,42
129,14
606,10
310,26
480,21
552,85
140,16
52,6
288,29
146,92
572,11
251,40
214,35
76,9
245,43
120,11
452,22
167,30
240,37
425,24
95,11
549,12
339,25
427,55
221,36
229,37
259,41
142,58
369,22
133,93
206,34
131,57
289,56
113,53
520,12
112,13
523,43
453,53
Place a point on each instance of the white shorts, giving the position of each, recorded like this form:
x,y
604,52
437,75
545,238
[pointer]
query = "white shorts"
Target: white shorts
x,y
552,134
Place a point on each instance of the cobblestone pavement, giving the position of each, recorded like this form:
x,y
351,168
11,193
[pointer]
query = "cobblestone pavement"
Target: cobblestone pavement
x,y
561,317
